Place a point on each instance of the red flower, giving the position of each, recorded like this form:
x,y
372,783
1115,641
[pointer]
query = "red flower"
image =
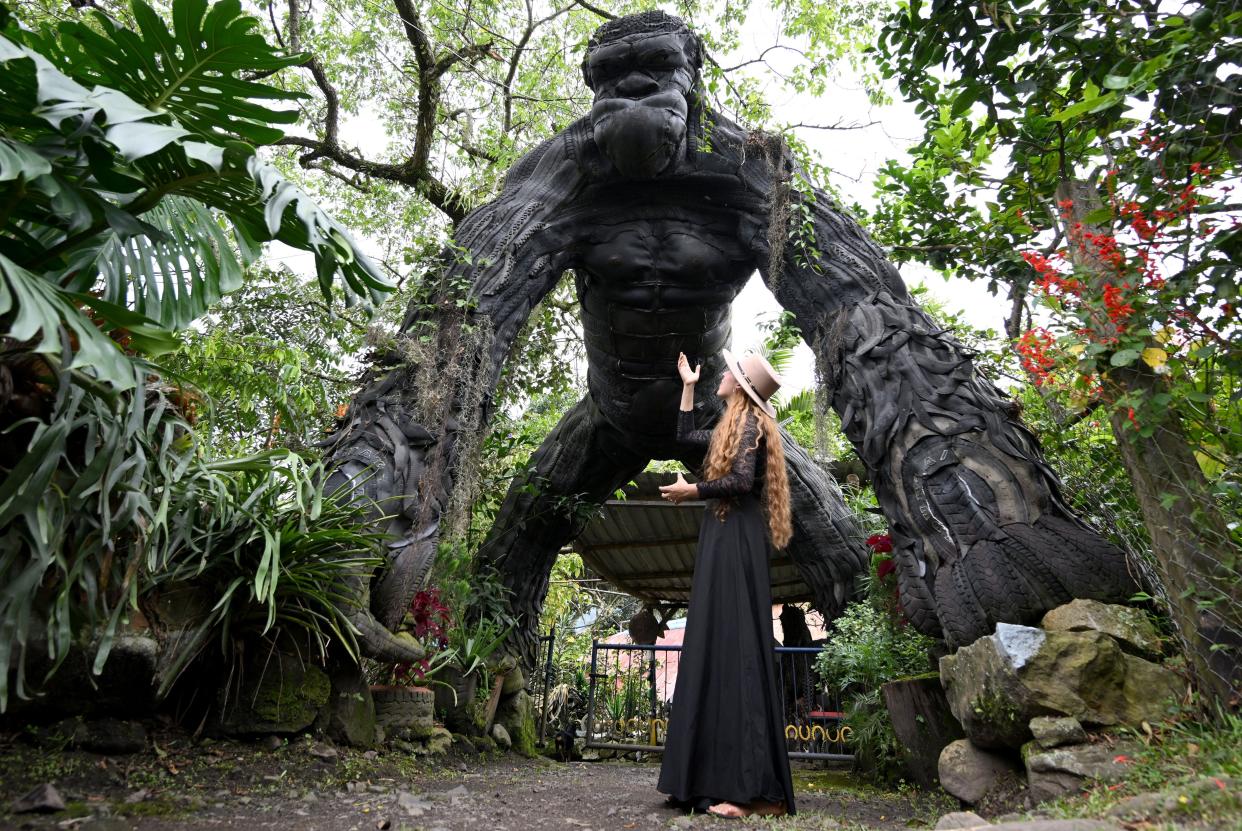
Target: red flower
x,y
880,543
885,567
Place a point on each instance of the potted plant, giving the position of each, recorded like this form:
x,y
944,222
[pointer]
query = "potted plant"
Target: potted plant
x,y
470,647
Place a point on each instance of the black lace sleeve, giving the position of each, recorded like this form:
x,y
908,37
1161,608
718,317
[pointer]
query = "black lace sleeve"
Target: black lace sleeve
x,y
686,434
741,478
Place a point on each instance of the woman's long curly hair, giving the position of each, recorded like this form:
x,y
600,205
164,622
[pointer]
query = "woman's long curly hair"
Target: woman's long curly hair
x,y
724,447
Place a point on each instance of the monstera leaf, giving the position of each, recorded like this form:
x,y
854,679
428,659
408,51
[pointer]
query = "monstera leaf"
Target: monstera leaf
x,y
147,209
191,72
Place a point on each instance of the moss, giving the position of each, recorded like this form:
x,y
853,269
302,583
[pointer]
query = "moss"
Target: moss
x,y
922,676
74,810
823,781
148,808
997,710
524,736
276,701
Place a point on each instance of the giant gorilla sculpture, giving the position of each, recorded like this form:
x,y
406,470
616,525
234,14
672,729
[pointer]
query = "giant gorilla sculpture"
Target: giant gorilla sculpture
x,y
663,209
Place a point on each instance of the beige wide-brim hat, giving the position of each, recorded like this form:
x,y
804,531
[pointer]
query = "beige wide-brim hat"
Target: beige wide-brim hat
x,y
756,377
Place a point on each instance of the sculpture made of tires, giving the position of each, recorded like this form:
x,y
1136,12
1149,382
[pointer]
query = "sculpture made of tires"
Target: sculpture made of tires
x,y
404,712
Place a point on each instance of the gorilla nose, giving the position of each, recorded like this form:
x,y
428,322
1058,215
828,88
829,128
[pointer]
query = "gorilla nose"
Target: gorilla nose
x,y
637,85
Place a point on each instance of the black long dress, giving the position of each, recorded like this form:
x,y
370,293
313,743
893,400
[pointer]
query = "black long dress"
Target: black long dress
x,y
725,740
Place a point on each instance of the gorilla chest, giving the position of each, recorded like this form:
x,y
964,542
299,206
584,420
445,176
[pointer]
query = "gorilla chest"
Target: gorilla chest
x,y
660,261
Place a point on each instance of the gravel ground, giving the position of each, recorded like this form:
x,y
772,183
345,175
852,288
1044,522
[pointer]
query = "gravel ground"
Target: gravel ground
x,y
303,785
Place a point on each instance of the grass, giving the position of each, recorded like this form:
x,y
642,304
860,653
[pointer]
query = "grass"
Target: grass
x,y
1196,765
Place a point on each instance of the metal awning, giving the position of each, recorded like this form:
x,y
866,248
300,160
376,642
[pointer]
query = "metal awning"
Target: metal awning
x,y
646,546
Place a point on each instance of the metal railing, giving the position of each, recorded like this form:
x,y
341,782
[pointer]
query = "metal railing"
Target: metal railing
x,y
631,697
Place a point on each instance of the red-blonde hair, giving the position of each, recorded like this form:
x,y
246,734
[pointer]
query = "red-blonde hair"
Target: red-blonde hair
x,y
724,447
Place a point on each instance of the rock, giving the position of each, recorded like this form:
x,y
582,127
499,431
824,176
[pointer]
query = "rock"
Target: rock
x,y
996,685
412,804
1207,795
282,694
961,819
125,687
1063,770
44,799
137,796
322,751
1131,628
106,736
1051,731
501,735
438,742
455,796
1055,825
969,772
515,680
349,717
517,714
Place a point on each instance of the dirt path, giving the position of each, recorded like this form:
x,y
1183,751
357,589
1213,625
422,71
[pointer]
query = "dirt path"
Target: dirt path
x,y
251,786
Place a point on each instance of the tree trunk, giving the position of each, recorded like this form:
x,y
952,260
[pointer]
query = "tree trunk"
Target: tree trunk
x,y
1190,541
1195,558
923,724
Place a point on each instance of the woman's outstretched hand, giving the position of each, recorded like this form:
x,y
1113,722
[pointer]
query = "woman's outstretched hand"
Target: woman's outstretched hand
x,y
688,376
679,491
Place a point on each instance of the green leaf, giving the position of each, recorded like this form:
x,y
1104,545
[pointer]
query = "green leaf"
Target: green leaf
x,y
193,71
1089,105
19,160
1124,357
136,139
43,313
1099,216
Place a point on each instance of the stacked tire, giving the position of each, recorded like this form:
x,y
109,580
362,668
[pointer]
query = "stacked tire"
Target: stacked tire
x,y
404,712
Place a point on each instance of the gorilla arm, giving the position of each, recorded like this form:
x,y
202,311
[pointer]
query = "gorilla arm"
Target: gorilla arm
x,y
979,529
389,452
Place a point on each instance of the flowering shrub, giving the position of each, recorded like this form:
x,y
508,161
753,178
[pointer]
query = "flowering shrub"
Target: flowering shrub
x,y
1132,293
431,620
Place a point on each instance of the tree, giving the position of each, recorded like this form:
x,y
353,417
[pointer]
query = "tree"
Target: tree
x,y
1033,145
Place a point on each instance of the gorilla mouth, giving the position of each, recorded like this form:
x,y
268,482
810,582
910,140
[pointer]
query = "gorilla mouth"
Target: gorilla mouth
x,y
641,138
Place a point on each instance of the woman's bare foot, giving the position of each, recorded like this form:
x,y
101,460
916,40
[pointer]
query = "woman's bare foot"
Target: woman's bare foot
x,y
762,809
728,809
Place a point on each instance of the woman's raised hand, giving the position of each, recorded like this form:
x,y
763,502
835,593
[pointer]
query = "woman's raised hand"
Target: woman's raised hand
x,y
688,375
679,491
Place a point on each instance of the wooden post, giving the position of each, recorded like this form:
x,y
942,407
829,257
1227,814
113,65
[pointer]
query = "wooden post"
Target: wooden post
x,y
493,701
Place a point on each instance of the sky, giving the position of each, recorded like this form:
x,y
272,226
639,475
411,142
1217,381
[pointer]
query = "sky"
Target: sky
x,y
855,156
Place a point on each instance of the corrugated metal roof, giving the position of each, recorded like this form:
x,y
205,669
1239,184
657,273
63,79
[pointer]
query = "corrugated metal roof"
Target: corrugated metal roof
x,y
646,546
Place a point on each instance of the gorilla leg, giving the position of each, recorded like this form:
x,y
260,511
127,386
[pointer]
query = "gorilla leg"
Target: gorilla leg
x,y
827,545
578,466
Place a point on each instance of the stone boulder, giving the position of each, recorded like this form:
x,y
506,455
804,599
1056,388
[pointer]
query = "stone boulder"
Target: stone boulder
x,y
996,685
125,687
1131,628
969,772
349,717
280,695
1052,732
1064,770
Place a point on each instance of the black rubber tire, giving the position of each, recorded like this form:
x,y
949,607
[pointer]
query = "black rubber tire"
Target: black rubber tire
x,y
404,707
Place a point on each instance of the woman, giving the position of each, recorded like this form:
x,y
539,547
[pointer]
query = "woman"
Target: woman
x,y
725,746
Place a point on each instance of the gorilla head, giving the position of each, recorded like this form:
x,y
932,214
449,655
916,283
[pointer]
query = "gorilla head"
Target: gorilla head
x,y
643,70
